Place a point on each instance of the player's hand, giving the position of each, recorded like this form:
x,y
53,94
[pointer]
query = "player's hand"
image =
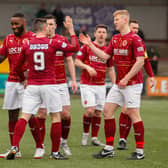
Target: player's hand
x,y
84,39
74,87
91,71
123,83
69,25
152,81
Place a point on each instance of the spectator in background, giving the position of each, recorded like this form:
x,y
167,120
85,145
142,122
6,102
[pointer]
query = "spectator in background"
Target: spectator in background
x,y
83,29
42,11
59,15
154,58
80,29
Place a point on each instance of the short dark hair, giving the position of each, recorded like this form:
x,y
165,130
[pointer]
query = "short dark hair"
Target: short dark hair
x,y
102,26
133,21
49,16
21,15
38,24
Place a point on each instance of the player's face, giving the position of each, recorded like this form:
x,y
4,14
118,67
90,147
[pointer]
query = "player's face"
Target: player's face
x,y
119,22
18,25
51,26
134,27
101,35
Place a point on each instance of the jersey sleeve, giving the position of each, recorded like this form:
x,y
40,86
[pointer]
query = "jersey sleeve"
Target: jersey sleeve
x,y
109,49
65,47
148,67
68,54
3,48
138,47
81,53
110,62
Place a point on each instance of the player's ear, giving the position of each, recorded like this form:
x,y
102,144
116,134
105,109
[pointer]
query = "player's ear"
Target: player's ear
x,y
126,19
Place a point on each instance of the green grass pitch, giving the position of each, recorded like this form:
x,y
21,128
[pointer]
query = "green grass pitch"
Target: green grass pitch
x,y
154,113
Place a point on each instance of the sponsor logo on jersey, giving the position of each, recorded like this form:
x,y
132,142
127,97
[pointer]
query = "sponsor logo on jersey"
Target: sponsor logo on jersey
x,y
139,49
123,52
59,53
38,46
25,41
15,50
96,59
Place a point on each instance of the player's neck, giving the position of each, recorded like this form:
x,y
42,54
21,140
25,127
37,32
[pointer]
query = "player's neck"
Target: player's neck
x,y
51,36
100,44
125,30
40,34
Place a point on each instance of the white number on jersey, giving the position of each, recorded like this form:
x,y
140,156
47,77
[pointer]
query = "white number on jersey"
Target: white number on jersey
x,y
39,58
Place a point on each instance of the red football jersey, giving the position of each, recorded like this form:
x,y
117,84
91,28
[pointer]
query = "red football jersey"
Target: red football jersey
x,y
88,57
60,62
11,49
125,49
40,56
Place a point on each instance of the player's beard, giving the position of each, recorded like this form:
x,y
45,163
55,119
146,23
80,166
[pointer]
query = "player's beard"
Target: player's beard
x,y
20,31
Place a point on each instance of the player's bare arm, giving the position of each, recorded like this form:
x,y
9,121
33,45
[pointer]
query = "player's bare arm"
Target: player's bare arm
x,y
69,25
87,41
112,75
134,70
71,70
81,65
2,58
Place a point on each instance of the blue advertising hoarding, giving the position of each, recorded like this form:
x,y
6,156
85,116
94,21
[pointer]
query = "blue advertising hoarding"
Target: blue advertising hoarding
x,y
3,78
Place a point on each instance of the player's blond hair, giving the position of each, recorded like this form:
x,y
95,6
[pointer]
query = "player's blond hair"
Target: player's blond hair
x,y
122,12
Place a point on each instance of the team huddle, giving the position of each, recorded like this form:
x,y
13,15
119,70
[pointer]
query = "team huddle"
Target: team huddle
x,y
37,84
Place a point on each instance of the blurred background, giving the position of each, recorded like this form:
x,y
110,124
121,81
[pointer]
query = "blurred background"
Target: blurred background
x,y
151,14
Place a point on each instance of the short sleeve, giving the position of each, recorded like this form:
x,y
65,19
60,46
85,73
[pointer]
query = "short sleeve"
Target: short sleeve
x,y
138,47
81,53
110,62
109,49
67,54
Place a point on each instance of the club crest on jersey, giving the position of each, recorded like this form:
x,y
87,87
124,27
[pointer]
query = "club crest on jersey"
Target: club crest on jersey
x,y
26,40
124,43
11,41
79,53
64,45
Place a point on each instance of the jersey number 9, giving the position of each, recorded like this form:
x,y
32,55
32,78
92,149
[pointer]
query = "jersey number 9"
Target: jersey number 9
x,y
39,61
